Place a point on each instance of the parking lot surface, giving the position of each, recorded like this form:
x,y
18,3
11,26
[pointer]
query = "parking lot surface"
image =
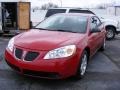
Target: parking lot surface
x,y
103,73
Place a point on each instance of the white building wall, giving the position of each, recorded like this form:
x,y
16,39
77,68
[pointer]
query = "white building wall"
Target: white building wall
x,y
99,11
117,11
111,10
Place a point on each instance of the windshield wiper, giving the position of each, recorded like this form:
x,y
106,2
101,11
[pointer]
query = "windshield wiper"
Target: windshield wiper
x,y
62,30
56,30
41,28
65,30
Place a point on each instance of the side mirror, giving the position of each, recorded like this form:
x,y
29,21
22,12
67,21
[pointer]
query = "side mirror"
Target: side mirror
x,y
95,30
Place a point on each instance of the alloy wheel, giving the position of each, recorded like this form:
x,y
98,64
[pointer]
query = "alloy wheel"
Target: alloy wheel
x,y
110,34
83,64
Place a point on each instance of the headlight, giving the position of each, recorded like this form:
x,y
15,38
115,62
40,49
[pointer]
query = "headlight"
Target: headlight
x,y
11,44
61,52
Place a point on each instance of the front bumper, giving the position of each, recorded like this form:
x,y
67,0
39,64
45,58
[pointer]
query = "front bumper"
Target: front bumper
x,y
51,69
118,31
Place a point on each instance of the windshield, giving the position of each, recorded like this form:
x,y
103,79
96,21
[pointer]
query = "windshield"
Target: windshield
x,y
67,23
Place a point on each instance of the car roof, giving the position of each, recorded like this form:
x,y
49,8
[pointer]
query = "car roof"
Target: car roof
x,y
76,14
66,8
70,8
75,8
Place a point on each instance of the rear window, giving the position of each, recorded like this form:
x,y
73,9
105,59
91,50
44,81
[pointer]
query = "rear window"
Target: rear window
x,y
80,11
54,11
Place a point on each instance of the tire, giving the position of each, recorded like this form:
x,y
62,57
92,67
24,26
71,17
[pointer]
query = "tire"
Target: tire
x,y
82,66
102,48
110,33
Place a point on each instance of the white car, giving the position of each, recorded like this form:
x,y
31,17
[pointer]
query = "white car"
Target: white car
x,y
112,25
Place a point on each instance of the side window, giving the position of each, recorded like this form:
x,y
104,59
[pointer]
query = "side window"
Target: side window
x,y
98,22
94,22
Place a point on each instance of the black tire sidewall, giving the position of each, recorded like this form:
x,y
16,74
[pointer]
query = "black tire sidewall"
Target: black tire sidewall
x,y
110,28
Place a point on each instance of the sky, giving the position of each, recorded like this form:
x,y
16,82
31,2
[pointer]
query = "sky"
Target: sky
x,y
74,3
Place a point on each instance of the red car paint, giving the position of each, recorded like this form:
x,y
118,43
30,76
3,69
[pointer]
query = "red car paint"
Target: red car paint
x,y
43,41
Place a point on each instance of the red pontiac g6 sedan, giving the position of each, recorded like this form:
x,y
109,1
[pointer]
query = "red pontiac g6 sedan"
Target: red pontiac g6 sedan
x,y
59,47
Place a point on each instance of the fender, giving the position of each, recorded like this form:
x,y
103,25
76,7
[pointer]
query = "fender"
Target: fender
x,y
109,22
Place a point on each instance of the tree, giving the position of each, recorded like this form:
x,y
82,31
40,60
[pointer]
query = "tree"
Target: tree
x,y
35,8
48,5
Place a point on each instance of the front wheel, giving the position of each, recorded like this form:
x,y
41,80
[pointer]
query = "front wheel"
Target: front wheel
x,y
110,33
83,65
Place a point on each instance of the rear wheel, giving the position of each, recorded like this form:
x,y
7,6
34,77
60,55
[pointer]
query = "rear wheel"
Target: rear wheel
x,y
82,66
110,33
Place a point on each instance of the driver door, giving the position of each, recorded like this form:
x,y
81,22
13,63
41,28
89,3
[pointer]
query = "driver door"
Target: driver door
x,y
93,37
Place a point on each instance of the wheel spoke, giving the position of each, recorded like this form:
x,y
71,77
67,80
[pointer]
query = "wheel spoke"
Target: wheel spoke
x,y
83,64
110,33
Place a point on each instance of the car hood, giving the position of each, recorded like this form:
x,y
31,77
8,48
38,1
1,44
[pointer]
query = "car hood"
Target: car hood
x,y
46,40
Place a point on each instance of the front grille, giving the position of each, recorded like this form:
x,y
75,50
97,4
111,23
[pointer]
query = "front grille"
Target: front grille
x,y
18,53
30,56
41,74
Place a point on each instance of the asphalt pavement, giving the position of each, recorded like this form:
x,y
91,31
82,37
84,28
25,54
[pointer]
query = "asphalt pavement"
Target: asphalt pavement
x,y
103,73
